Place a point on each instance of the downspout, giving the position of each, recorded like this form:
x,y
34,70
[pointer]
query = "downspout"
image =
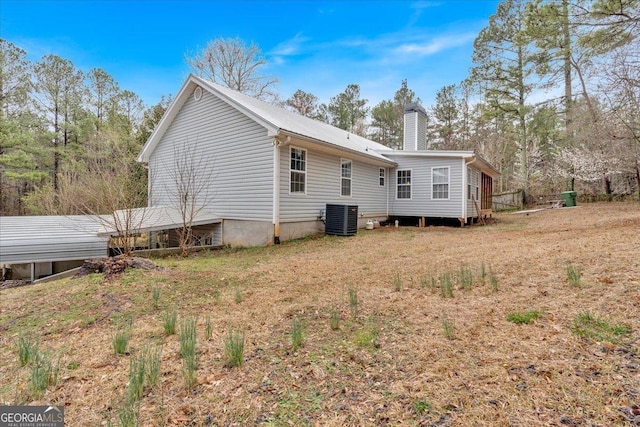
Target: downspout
x,y
387,179
465,176
277,144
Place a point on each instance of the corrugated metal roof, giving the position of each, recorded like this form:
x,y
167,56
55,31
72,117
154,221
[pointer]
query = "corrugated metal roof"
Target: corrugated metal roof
x,y
155,218
26,239
276,119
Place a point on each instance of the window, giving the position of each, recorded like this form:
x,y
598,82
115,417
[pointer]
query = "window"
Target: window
x,y
477,185
440,183
404,184
298,171
383,175
469,175
345,173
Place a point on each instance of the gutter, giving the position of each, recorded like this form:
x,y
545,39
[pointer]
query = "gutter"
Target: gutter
x,y
277,144
465,177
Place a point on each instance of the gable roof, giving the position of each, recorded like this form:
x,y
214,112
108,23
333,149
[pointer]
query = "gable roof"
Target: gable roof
x,y
276,120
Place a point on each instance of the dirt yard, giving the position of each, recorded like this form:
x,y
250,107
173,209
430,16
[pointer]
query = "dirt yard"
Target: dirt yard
x,y
431,329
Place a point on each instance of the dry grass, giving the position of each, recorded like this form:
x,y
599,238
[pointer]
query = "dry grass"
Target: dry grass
x,y
389,365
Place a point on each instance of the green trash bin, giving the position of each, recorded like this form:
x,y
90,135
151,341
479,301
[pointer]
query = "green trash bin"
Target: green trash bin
x,y
569,198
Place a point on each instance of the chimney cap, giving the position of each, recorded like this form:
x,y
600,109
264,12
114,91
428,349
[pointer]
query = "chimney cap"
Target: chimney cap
x,y
414,107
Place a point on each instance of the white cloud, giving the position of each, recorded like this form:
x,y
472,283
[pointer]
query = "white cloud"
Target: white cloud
x,y
435,45
292,46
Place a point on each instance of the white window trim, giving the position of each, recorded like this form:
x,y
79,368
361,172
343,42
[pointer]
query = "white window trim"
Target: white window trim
x,y
448,168
477,186
343,161
382,173
306,167
410,185
469,182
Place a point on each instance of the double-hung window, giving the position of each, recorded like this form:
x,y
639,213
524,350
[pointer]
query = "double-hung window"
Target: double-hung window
x,y
382,175
298,171
440,183
404,184
345,178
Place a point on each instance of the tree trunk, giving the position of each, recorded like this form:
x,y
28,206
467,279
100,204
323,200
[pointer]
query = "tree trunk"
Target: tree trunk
x,y
607,188
638,179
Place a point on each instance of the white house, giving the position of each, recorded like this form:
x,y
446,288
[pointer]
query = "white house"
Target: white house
x,y
267,174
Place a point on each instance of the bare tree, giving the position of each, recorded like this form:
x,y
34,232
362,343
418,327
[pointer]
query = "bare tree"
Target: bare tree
x,y
188,189
108,185
230,62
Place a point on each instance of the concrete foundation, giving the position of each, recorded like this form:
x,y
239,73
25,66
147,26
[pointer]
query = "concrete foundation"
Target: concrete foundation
x,y
246,233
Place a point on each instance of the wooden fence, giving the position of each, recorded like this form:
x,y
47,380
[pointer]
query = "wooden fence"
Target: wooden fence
x,y
507,201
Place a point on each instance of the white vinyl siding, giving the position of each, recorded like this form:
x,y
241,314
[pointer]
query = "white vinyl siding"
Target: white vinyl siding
x,y
440,183
383,176
345,178
403,184
323,186
421,203
298,171
235,150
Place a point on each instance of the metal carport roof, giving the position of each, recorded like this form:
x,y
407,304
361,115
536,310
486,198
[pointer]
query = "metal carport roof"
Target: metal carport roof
x,y
154,218
29,239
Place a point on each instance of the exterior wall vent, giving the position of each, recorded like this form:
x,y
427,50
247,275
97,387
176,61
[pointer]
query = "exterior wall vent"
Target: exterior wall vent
x,y
341,220
197,93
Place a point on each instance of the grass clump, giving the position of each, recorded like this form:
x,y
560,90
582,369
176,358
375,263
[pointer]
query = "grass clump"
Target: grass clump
x,y
27,350
121,338
494,281
465,277
239,296
446,285
169,320
449,329
353,302
424,281
137,373
234,348
128,415
334,320
297,334
43,374
574,275
421,407
152,361
366,337
208,328
397,282
588,326
522,318
188,351
155,294
188,337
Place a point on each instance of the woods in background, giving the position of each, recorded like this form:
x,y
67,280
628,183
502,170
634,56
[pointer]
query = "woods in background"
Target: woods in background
x,y
552,100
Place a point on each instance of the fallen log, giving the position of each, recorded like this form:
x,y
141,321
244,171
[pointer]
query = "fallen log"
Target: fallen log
x,y
114,266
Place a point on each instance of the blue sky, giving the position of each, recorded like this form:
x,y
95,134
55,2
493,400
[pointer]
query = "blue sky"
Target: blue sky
x,y
317,46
